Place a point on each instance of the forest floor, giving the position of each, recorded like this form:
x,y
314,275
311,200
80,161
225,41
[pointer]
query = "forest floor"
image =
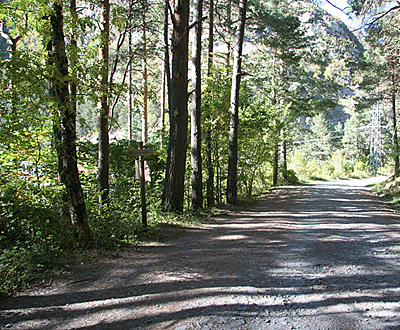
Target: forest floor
x,y
315,256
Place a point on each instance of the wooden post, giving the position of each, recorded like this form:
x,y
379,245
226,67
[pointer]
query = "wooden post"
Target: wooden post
x,y
143,188
141,153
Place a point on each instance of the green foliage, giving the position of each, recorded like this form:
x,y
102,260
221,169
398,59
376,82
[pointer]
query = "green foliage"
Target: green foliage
x,y
318,142
23,266
121,219
337,166
215,104
389,190
288,75
32,233
35,238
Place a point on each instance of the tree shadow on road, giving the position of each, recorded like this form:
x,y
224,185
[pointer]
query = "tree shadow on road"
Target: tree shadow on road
x,y
313,252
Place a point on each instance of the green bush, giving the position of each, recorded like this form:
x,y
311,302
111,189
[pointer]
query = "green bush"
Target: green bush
x,y
289,176
121,219
32,233
22,266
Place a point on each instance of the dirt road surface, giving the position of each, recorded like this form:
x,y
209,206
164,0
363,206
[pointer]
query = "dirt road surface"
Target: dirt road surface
x,y
317,256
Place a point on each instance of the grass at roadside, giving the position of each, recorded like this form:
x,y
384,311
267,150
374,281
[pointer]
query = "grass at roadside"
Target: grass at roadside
x,y
389,191
34,265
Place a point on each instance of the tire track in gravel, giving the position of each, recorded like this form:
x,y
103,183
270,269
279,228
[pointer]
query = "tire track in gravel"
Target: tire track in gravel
x,y
318,256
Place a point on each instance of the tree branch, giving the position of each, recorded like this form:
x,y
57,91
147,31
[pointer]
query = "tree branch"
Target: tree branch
x,y
3,32
174,22
197,22
378,18
338,8
383,15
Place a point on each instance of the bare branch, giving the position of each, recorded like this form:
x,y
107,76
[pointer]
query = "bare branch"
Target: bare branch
x,y
3,32
174,22
197,22
338,8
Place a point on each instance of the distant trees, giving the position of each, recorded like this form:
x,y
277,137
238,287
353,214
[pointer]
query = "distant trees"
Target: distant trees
x,y
381,61
320,136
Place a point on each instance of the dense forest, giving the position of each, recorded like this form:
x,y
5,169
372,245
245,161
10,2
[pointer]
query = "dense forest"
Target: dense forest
x,y
235,96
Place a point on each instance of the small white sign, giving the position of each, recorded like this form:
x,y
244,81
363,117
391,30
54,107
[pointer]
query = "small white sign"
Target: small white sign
x,y
147,170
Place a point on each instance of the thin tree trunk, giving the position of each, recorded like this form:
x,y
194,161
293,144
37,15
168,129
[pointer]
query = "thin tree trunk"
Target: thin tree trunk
x,y
74,54
196,159
230,31
12,50
166,53
173,193
218,167
163,103
395,140
283,158
103,111
64,214
208,137
231,189
56,122
275,164
130,109
145,132
67,117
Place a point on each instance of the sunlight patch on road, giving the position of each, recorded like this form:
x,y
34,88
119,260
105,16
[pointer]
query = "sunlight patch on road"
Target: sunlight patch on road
x,y
330,214
231,237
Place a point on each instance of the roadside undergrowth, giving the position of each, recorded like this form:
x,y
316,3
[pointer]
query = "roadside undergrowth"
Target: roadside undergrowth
x,y
389,191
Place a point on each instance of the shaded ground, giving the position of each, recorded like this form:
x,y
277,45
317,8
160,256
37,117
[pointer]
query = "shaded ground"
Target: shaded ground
x,y
320,256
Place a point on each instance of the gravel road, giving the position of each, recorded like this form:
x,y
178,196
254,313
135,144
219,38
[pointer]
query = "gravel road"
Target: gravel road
x,y
316,256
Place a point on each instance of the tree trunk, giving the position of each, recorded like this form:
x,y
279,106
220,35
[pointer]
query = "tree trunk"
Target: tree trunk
x,y
130,109
103,106
74,54
283,158
67,117
231,189
173,193
145,132
166,53
394,140
196,160
163,103
64,213
218,171
208,137
275,164
12,50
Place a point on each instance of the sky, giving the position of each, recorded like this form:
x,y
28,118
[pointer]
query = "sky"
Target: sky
x,y
337,13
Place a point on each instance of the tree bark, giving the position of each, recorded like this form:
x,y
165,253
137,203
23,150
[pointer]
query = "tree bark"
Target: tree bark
x,y
173,193
196,159
394,139
166,53
275,164
208,137
283,157
12,50
103,107
231,189
130,108
73,55
67,117
145,132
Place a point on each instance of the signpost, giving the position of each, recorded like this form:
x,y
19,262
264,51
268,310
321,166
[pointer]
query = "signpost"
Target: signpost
x,y
141,153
